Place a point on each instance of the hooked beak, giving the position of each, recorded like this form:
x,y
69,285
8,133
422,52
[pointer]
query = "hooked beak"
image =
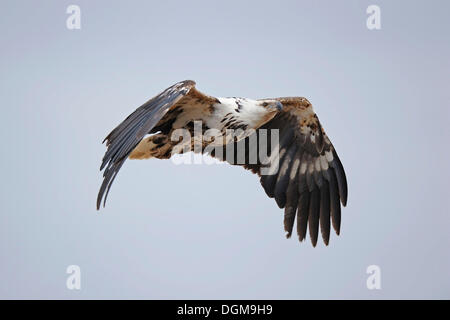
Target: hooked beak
x,y
279,106
273,106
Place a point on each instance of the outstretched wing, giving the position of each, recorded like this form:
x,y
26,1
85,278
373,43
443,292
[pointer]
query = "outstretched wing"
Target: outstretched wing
x,y
178,107
124,138
303,174
306,178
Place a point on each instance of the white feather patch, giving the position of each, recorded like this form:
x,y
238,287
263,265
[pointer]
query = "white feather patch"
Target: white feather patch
x,y
329,156
324,163
294,169
317,164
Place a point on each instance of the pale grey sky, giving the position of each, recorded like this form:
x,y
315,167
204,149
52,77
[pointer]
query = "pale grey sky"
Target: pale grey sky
x,y
210,231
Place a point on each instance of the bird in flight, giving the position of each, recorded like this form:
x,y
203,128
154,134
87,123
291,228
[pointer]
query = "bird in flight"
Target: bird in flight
x,y
298,166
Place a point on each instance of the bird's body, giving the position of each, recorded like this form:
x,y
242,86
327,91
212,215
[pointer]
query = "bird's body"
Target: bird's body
x,y
221,114
300,169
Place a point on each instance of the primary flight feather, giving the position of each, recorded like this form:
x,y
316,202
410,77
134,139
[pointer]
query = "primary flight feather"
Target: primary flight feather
x,y
302,170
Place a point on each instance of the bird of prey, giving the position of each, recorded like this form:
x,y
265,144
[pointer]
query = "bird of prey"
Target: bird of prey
x,y
302,170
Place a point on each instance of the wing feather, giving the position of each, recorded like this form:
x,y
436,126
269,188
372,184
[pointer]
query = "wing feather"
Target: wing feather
x,y
325,212
310,182
313,216
269,181
334,202
302,215
341,179
125,137
283,176
291,207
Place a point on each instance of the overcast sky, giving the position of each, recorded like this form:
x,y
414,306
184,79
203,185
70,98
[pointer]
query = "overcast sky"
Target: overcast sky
x,y
209,231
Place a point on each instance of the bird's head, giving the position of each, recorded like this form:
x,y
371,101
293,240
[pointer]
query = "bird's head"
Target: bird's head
x,y
272,105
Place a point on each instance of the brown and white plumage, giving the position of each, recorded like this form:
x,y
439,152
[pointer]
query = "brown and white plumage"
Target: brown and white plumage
x,y
303,174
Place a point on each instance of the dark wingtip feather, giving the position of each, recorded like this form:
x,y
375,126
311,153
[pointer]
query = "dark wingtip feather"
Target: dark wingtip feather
x,y
313,216
108,178
325,212
302,215
289,218
291,204
268,183
341,178
334,202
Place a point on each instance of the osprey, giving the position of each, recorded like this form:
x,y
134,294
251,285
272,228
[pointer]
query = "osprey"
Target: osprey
x,y
302,170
